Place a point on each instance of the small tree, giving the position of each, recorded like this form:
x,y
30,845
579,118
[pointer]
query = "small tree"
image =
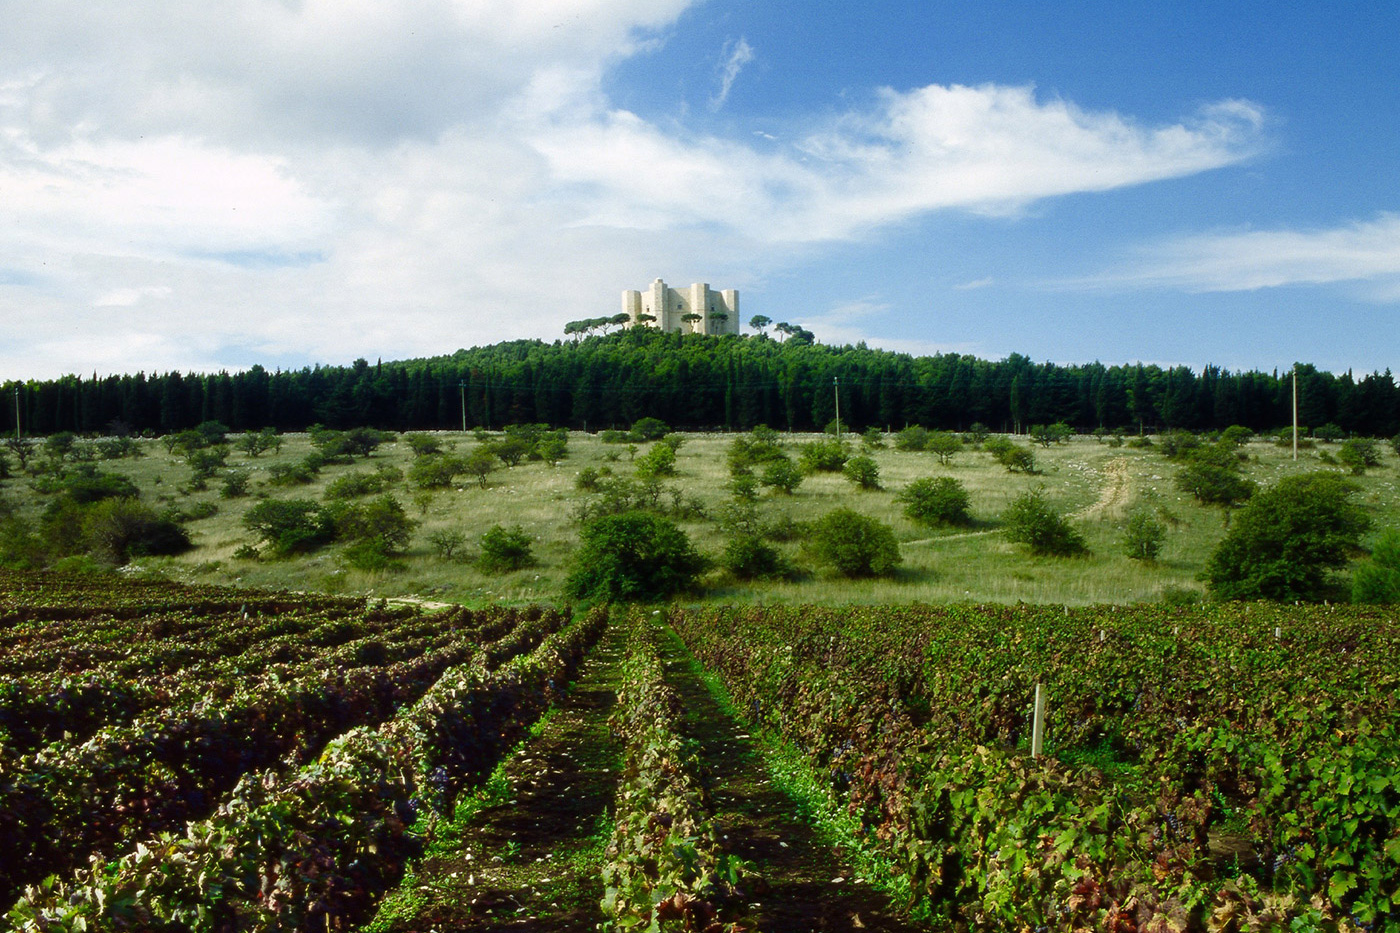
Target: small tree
x,y
1143,536
446,541
1048,434
940,501
1214,482
1286,539
632,556
505,549
872,439
863,471
853,544
943,445
1030,520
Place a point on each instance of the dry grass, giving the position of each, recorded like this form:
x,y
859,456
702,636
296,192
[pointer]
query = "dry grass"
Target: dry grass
x,y
1097,485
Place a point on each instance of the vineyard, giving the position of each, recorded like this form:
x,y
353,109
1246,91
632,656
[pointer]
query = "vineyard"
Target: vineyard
x,y
178,758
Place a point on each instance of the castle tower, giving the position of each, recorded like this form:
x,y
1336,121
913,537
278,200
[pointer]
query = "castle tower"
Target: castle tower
x,y
718,312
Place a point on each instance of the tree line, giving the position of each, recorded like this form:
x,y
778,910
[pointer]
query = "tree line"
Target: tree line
x,y
697,381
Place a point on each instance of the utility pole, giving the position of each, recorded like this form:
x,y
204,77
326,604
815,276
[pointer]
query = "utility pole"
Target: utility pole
x,y
836,390
1295,411
462,386
17,434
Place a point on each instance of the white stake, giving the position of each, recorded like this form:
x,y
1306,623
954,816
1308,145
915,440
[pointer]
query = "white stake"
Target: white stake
x,y
1038,723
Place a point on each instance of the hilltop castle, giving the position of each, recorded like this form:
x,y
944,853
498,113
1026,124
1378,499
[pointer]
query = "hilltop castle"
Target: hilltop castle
x,y
695,310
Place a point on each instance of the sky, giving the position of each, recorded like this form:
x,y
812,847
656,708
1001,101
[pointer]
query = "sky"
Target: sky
x,y
206,186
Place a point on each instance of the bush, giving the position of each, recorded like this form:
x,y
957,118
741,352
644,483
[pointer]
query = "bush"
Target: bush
x,y
290,526
648,429
382,520
872,439
657,462
1378,579
630,557
504,549
759,446
827,455
941,501
355,484
117,530
1015,458
1286,539
1213,482
748,557
864,472
977,432
1178,443
1143,536
235,484
423,445
1030,520
782,475
1358,453
913,437
854,545
437,471
291,474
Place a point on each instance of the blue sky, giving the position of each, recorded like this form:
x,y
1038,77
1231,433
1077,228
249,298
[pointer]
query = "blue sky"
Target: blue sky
x,y
263,181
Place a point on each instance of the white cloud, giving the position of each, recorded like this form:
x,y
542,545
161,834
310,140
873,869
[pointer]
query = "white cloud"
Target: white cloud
x,y
325,179
737,53
1364,252
975,284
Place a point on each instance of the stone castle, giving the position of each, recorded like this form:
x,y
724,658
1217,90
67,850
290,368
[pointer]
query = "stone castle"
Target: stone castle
x,y
694,310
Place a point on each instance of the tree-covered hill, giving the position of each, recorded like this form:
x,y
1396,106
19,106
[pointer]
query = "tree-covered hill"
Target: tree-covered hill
x,y
699,381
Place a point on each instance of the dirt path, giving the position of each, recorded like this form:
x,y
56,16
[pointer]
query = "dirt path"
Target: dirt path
x,y
531,862
809,887
1117,490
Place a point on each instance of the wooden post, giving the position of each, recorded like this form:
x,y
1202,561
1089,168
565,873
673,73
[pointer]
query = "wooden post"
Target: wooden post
x,y
1038,723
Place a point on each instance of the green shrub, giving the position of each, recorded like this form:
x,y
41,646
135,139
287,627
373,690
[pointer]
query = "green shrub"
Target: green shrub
x,y
1031,521
1378,580
781,475
1015,458
1359,453
437,471
117,530
1143,536
505,549
1047,434
423,445
1214,482
748,557
872,439
827,455
235,484
631,557
863,471
853,544
940,501
648,429
1285,540
382,520
913,437
290,526
657,462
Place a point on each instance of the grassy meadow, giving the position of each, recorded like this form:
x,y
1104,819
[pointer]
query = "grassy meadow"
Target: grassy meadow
x,y
1098,486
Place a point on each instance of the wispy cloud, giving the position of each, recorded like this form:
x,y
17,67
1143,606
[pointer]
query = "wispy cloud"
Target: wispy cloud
x,y
975,284
1364,252
737,53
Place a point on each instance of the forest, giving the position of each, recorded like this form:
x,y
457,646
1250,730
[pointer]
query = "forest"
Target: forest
x,y
695,381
